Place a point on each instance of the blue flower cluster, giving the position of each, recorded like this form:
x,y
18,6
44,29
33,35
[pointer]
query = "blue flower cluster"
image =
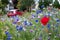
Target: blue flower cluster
x,y
8,35
38,11
48,26
19,28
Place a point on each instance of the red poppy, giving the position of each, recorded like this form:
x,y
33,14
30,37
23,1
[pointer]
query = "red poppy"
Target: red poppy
x,y
45,20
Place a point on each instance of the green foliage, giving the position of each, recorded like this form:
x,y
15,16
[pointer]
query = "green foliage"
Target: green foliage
x,y
25,4
45,3
3,4
4,1
15,2
28,35
56,4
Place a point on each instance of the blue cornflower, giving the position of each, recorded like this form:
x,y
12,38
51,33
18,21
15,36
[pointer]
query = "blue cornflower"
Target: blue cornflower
x,y
48,26
16,18
17,27
31,24
58,20
33,16
8,35
20,28
42,6
6,32
8,38
38,11
25,22
36,20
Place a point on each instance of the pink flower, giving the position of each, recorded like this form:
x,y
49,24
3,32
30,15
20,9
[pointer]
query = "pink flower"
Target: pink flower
x,y
38,16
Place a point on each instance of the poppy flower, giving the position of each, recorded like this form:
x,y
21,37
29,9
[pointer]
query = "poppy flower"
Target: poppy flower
x,y
44,20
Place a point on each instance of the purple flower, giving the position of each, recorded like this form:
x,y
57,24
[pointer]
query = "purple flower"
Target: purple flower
x,y
14,22
33,16
16,19
48,13
31,30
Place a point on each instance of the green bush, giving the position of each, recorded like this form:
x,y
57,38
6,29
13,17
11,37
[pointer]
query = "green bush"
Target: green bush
x,y
45,3
56,4
2,12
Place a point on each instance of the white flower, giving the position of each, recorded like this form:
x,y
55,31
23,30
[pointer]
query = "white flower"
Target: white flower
x,y
40,14
50,33
24,29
